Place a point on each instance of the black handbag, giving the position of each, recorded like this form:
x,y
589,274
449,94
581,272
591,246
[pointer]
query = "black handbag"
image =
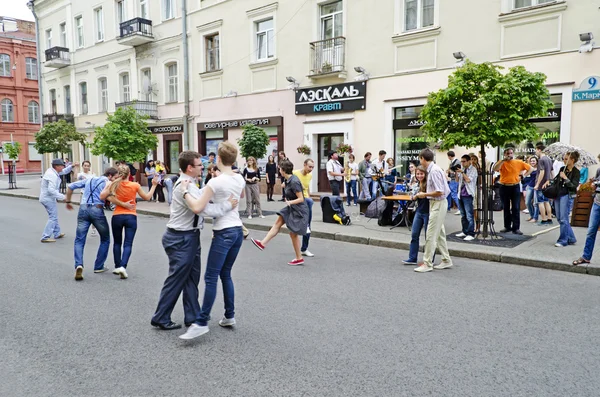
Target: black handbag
x,y
553,190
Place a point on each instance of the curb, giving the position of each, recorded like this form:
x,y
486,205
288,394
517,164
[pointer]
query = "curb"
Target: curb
x,y
590,269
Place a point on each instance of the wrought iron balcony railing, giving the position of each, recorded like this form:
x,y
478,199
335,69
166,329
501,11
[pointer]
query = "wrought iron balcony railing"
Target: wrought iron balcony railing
x,y
146,108
53,117
327,56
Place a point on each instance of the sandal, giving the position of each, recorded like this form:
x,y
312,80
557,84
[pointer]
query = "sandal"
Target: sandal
x,y
580,261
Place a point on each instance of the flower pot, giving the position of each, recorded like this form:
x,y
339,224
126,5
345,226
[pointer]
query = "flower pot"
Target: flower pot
x,y
581,209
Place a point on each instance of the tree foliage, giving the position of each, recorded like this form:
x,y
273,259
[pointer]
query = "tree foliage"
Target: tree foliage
x,y
56,137
484,106
254,142
13,150
125,136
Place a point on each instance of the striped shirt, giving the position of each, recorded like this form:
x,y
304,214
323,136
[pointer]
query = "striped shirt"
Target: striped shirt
x,y
437,182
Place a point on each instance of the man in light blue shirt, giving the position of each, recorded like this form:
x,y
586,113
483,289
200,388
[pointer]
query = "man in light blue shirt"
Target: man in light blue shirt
x,y
49,194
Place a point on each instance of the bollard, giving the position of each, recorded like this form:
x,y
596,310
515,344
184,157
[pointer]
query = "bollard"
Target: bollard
x,y
12,176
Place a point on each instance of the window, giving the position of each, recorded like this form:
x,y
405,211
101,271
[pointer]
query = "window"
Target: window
x,y
212,52
418,14
332,24
121,12
48,38
31,69
265,46
144,9
99,20
147,84
529,3
172,81
5,65
7,110
33,154
125,94
33,111
79,28
53,109
63,34
103,90
67,91
168,7
83,96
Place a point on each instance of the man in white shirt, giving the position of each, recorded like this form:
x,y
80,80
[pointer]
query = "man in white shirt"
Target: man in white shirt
x,y
335,173
49,194
467,186
380,170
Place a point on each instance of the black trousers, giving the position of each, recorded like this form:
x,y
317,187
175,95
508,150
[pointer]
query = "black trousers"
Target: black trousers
x,y
511,199
335,187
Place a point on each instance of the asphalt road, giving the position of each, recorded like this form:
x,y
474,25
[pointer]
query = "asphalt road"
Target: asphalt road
x,y
352,322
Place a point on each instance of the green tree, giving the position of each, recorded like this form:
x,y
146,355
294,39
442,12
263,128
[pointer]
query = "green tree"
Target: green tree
x,y
56,137
13,149
483,106
254,142
125,136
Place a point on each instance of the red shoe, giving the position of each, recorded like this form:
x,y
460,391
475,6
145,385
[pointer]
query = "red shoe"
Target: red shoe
x,y
296,262
258,244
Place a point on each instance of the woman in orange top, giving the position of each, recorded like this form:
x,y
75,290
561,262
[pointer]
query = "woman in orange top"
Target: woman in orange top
x,y
124,218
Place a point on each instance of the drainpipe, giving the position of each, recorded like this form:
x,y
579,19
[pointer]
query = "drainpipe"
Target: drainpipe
x,y
31,6
186,81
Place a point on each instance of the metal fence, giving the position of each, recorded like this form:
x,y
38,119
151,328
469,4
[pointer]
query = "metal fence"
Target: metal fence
x,y
327,56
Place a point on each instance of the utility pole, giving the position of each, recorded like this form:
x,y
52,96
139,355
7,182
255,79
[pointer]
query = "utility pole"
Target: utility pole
x,y
188,141
31,6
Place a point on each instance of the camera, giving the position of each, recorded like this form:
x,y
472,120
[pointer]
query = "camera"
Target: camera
x,y
454,168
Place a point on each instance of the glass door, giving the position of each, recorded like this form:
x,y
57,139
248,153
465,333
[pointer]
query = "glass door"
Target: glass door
x,y
327,143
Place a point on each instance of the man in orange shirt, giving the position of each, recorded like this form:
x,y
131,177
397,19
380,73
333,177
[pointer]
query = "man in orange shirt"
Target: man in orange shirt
x,y
510,178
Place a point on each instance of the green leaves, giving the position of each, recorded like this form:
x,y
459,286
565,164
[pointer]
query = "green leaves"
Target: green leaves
x,y
125,136
481,105
13,150
56,137
254,142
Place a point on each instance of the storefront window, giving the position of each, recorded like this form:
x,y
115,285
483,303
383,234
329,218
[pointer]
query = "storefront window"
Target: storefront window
x,y
271,149
409,139
213,138
548,128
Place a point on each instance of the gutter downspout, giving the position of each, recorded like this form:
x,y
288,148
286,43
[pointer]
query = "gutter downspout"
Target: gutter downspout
x,y
186,80
31,6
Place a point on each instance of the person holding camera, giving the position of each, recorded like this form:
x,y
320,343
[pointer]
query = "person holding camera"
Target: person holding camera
x,y
467,186
510,193
452,183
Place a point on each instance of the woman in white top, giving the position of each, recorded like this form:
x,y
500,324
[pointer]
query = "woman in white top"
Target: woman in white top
x,y
226,242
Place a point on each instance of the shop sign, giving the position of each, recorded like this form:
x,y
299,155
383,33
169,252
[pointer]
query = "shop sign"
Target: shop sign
x,y
589,90
346,97
221,125
408,124
553,115
166,129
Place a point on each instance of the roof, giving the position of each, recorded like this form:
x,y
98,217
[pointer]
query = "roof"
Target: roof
x,y
18,35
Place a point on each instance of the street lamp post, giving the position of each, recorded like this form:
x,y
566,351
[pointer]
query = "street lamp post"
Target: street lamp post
x,y
31,6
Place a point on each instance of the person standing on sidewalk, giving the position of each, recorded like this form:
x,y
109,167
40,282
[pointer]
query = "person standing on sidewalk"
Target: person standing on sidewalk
x,y
335,173
452,183
530,199
568,177
251,175
49,194
467,186
91,212
510,193
437,191
270,172
181,242
365,175
305,176
544,175
352,168
593,225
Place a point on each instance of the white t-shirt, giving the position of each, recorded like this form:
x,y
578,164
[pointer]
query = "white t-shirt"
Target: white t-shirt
x,y
224,186
354,168
83,176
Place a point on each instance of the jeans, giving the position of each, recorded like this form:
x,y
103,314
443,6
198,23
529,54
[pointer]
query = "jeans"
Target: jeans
x,y
563,205
118,223
306,237
224,249
511,199
365,191
467,216
169,185
91,215
351,186
590,239
419,223
532,207
453,196
52,228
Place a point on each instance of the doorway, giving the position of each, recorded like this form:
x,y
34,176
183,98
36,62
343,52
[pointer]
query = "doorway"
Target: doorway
x,y
172,147
327,143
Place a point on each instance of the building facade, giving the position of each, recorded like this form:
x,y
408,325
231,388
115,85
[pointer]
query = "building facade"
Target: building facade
x,y
318,73
19,100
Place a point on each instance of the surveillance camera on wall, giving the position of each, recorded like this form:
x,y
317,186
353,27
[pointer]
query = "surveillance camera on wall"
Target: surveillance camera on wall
x,y
293,83
588,43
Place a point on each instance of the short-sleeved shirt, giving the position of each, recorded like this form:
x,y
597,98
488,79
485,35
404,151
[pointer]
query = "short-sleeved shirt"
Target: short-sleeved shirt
x,y
292,187
126,192
510,171
544,164
437,182
334,166
224,186
354,168
305,180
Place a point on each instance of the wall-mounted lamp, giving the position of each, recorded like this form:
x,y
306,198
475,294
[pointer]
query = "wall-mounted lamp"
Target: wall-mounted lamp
x,y
362,74
588,43
15,66
231,94
293,83
460,57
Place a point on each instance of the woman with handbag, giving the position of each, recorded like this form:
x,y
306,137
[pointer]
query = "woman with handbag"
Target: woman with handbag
x,y
567,182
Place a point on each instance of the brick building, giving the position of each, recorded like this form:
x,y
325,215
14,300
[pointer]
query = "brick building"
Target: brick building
x,y
19,99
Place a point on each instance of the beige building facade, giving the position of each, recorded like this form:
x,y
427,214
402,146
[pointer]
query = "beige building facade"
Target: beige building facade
x,y
321,73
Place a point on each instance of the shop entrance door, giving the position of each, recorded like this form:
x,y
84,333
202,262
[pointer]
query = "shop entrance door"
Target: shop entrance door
x,y
326,144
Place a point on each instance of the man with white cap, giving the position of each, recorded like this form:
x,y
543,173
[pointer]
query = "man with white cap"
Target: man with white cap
x,y
49,194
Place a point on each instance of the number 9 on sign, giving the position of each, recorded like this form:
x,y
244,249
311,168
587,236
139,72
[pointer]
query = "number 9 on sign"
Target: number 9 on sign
x,y
592,83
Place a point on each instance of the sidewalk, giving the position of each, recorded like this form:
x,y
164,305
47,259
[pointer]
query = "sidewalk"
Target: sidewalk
x,y
537,252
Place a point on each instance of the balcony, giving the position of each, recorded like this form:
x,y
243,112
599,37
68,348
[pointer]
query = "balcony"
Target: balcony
x,y
57,57
136,31
143,108
54,117
327,58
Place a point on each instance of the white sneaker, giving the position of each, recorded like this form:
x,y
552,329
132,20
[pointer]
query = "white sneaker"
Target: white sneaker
x,y
227,322
307,253
423,269
121,272
469,238
443,265
460,235
194,331
262,217
355,204
526,211
558,245
457,213
249,216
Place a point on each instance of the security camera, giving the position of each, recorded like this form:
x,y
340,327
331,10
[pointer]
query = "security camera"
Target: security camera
x,y
586,37
588,44
290,79
359,69
459,55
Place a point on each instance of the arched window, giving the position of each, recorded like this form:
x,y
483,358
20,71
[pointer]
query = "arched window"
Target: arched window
x,y
7,110
5,65
34,112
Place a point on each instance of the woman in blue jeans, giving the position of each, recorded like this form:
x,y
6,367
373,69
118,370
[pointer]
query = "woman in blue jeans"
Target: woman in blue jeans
x,y
421,217
568,178
532,207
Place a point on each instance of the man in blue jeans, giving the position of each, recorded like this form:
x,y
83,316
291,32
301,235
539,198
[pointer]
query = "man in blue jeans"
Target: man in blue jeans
x,y
452,183
49,194
592,231
305,176
467,186
91,212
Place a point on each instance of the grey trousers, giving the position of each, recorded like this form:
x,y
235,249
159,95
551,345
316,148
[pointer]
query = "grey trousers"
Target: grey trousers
x,y
253,196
